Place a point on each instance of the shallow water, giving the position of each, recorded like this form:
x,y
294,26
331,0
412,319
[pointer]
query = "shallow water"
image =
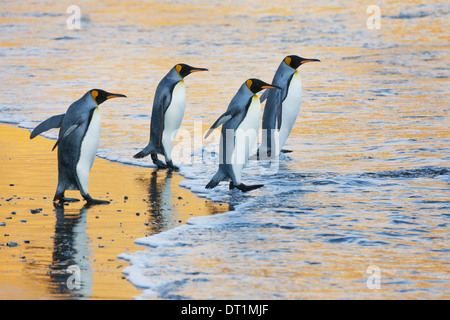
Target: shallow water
x,y
366,184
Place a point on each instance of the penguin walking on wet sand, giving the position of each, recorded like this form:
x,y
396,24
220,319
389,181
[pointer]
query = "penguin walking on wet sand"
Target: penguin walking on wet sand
x,y
240,125
282,107
77,143
168,111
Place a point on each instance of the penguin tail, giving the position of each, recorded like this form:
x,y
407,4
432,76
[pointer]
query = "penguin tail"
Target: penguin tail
x,y
145,152
140,155
212,184
219,176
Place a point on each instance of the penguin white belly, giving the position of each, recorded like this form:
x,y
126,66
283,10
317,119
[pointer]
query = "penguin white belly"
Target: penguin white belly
x,y
88,150
173,117
246,134
290,109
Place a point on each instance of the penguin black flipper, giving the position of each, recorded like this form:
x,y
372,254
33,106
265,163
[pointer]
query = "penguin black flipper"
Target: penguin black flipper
x,y
264,96
224,118
272,120
63,133
50,123
275,100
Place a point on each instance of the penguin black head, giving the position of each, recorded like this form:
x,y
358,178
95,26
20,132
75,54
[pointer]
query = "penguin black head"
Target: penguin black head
x,y
185,70
295,61
101,96
256,85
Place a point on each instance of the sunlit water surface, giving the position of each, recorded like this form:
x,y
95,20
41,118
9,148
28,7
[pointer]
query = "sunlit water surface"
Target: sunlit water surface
x,y
366,186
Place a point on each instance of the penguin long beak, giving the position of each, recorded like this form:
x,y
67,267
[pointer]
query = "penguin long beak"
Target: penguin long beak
x,y
198,69
115,95
309,60
271,87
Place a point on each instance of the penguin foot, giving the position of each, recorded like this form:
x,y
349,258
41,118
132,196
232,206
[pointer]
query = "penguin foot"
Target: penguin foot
x,y
90,201
95,201
285,151
62,200
171,166
245,188
158,163
69,200
263,156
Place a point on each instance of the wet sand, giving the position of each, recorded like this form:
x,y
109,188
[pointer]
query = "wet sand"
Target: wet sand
x,y
39,242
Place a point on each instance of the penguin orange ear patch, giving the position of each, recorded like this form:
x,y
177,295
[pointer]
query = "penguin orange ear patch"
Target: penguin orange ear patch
x,y
178,67
94,94
288,61
249,84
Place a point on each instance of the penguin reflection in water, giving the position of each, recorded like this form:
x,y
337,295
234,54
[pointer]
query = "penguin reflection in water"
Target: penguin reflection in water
x,y
77,143
239,131
168,111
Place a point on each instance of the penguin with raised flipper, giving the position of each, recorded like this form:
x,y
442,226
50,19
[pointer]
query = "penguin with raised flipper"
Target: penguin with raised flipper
x,y
77,143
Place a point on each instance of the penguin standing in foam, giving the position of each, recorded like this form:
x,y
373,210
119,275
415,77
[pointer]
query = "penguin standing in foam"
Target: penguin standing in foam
x,y
168,111
239,131
77,143
282,106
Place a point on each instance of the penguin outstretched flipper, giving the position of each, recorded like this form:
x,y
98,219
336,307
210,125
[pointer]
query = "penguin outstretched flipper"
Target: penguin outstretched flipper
x,y
224,118
69,128
77,143
50,123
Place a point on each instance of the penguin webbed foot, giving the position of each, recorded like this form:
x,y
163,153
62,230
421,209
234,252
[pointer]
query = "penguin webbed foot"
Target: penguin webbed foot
x,y
171,166
90,201
266,155
96,202
60,200
158,163
285,151
245,188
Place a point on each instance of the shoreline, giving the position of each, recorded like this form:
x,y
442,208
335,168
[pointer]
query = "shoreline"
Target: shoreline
x,y
38,243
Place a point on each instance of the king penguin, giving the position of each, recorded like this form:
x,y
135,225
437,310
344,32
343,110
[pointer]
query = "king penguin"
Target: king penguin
x,y
240,125
168,111
77,143
282,107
